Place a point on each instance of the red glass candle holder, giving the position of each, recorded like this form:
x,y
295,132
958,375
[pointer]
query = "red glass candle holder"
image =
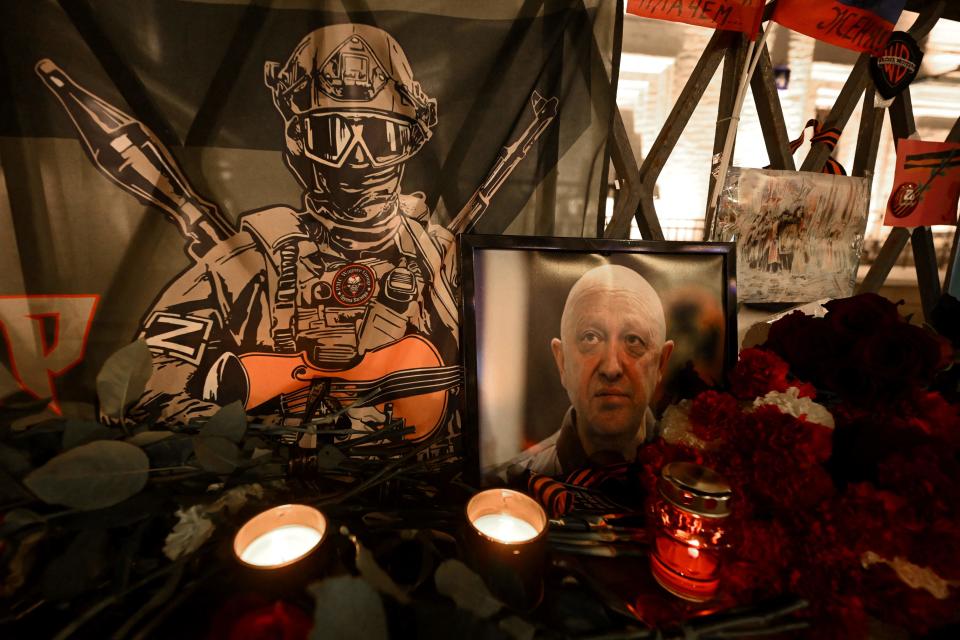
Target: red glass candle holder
x,y
688,527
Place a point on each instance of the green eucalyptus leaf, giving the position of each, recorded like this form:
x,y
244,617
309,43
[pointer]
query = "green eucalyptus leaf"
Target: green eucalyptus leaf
x,y
517,628
456,581
77,432
147,438
34,419
78,411
266,470
216,454
77,570
17,519
123,378
23,402
10,489
92,476
251,443
14,461
173,451
347,608
329,457
20,562
371,571
230,422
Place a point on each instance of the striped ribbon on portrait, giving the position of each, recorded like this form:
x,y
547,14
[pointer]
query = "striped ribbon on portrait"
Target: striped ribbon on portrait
x,y
581,490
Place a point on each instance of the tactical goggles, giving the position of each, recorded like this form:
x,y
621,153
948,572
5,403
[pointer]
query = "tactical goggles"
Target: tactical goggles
x,y
335,139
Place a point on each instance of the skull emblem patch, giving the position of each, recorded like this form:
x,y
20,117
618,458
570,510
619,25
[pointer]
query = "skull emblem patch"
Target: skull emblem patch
x,y
353,284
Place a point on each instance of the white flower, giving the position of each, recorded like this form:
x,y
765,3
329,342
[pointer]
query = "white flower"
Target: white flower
x,y
189,534
194,527
914,576
675,426
791,403
234,499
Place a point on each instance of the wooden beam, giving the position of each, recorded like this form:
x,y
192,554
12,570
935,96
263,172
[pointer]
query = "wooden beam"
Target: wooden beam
x,y
770,113
858,81
685,105
926,19
901,116
903,125
868,138
840,113
925,261
733,63
636,198
887,257
953,136
921,238
608,147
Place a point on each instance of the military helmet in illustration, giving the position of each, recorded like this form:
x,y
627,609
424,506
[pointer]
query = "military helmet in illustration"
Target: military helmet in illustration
x,y
349,100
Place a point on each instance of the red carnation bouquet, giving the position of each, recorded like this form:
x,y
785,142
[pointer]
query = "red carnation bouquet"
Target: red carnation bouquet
x,y
844,457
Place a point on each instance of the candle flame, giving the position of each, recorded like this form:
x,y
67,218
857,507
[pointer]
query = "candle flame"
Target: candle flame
x,y
505,527
281,545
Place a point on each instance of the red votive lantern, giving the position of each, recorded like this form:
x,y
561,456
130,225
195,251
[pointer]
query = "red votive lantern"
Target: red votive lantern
x,y
689,522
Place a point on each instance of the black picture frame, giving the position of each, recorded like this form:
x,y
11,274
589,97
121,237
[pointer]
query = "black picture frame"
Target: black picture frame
x,y
719,258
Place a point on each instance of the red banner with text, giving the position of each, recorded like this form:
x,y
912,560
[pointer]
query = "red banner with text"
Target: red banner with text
x,y
861,25
729,15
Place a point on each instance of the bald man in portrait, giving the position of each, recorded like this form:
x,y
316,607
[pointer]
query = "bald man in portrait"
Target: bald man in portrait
x,y
611,354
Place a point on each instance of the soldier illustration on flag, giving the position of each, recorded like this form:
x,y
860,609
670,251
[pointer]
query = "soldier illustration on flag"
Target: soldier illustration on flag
x,y
352,295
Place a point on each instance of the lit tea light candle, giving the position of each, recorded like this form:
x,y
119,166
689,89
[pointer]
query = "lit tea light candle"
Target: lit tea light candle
x,y
505,528
506,516
505,542
280,536
281,545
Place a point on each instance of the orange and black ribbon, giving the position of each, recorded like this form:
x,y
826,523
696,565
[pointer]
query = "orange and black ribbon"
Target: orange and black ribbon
x,y
582,490
553,495
595,476
828,136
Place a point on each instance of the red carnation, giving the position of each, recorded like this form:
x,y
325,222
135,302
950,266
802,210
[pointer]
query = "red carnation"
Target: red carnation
x,y
940,419
760,556
252,617
808,344
757,373
279,621
861,315
714,415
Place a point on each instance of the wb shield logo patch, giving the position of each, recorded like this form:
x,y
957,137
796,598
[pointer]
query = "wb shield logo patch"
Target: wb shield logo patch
x,y
897,65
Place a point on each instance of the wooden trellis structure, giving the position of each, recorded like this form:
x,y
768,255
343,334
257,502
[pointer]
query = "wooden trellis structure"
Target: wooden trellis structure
x,y
635,200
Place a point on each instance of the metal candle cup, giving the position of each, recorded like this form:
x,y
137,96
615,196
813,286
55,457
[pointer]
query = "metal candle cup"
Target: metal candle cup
x,y
282,546
689,524
505,542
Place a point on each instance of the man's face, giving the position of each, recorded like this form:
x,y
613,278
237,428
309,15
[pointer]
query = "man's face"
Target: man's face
x,y
610,361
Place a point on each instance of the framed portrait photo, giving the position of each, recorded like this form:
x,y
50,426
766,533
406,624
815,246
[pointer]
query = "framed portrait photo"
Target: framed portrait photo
x,y
573,346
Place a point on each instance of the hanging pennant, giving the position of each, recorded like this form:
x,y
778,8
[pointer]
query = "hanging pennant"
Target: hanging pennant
x,y
729,15
926,184
897,65
861,25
